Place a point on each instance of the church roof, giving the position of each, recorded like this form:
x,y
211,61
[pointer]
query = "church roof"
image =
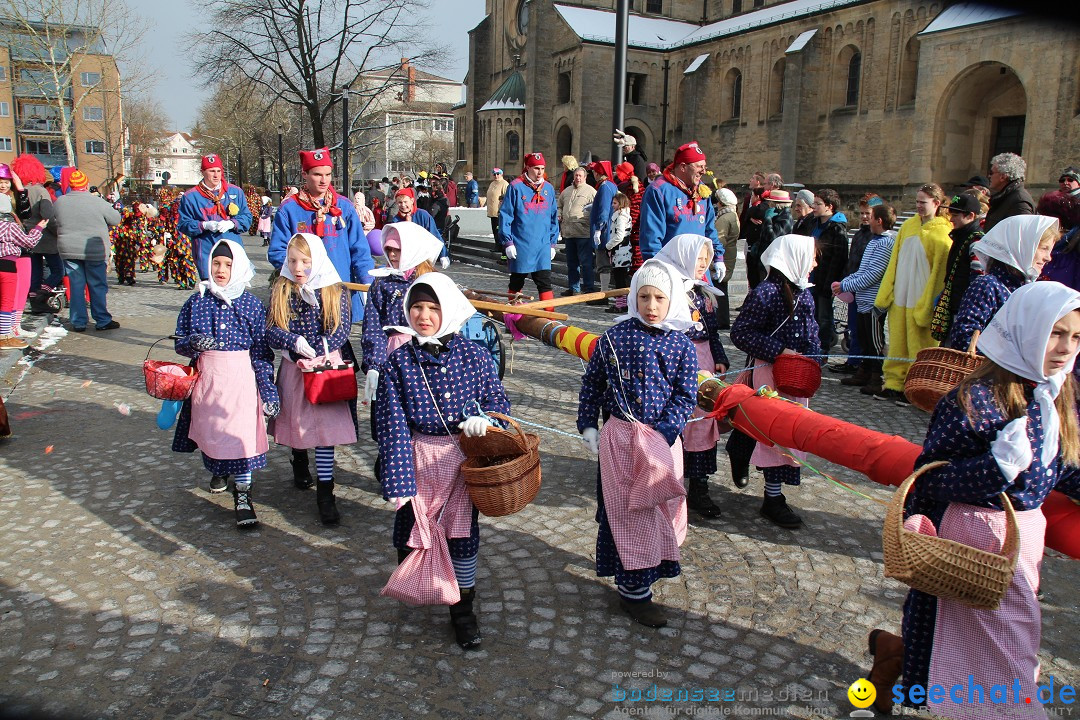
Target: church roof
x,y
664,34
509,96
966,14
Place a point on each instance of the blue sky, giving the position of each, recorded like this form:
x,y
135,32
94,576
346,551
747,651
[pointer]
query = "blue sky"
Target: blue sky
x,y
180,94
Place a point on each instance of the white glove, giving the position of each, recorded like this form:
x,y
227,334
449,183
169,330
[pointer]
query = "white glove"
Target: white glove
x,y
371,384
553,251
210,225
444,262
596,238
591,438
475,426
619,137
1012,448
720,269
511,252
225,225
303,349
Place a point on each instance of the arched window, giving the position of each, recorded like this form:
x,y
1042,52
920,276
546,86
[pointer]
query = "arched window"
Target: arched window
x,y
564,87
734,94
909,71
776,88
513,146
851,98
564,141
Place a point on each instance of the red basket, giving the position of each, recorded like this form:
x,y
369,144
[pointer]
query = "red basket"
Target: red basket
x,y
166,386
796,375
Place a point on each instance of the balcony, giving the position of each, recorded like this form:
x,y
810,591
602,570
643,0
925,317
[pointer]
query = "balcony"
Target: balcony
x,y
49,160
39,126
32,90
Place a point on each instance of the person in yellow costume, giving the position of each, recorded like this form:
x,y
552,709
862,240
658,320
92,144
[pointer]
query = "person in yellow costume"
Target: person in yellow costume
x,y
913,280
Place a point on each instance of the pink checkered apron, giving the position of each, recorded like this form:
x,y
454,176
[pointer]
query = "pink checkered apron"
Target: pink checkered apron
x,y
302,425
643,493
442,509
226,413
701,434
998,646
765,456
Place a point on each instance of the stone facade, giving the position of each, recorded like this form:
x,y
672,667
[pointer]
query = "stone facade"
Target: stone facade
x,y
875,98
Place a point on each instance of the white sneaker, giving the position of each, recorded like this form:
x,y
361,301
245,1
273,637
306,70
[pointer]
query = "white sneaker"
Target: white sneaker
x,y
24,333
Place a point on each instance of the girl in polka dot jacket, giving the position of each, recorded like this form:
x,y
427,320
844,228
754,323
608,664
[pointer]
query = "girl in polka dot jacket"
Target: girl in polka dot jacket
x,y
309,322
223,327
642,377
433,388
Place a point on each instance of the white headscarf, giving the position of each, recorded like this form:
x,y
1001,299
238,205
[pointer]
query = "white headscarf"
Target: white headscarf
x,y
417,245
793,255
681,252
243,270
456,308
322,273
667,279
1016,339
1013,241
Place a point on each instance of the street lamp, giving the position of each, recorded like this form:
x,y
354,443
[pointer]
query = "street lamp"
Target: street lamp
x,y
281,167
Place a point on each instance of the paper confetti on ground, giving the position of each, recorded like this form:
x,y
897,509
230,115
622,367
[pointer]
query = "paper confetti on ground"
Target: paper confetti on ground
x,y
124,408
48,449
87,383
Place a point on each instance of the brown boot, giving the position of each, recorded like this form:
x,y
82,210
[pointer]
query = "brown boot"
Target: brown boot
x,y
872,386
888,652
860,378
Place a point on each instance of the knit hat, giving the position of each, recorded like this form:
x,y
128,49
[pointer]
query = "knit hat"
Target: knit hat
x,y
211,161
656,277
534,159
221,250
422,292
652,167
806,196
496,171
78,180
727,198
689,153
310,159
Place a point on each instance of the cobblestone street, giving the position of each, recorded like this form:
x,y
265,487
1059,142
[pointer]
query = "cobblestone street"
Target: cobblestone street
x,y
127,592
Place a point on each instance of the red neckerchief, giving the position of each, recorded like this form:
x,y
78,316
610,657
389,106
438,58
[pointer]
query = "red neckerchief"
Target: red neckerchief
x,y
215,200
536,188
694,197
327,204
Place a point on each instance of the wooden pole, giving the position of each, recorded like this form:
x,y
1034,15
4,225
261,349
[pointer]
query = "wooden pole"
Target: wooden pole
x,y
602,295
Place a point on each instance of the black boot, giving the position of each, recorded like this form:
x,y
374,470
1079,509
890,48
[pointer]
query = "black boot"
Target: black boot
x,y
245,510
462,617
740,447
698,498
324,497
646,613
776,509
301,473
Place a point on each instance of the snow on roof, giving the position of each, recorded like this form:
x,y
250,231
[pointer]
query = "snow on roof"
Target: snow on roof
x,y
663,34
800,42
642,32
696,64
965,14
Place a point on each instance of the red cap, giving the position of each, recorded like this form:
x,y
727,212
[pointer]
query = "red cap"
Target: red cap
x,y
534,159
315,158
405,191
625,171
689,153
211,161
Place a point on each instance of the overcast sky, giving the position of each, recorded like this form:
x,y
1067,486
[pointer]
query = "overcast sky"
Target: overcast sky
x,y
180,94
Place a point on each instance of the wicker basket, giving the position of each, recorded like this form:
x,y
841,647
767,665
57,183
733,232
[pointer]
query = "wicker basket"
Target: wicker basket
x,y
166,386
796,375
501,485
495,443
946,568
938,370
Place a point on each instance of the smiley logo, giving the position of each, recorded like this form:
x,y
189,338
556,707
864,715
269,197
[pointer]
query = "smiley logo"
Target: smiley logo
x,y
862,693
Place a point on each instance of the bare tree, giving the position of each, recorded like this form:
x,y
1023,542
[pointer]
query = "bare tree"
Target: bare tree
x,y
305,53
145,122
61,39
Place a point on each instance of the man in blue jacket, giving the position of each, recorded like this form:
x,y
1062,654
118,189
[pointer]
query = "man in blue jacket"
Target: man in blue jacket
x,y
529,227
672,205
210,211
318,209
405,201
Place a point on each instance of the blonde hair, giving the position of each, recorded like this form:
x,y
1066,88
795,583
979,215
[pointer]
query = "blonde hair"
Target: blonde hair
x,y
621,200
281,312
1008,391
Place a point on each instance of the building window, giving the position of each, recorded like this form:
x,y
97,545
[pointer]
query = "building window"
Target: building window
x,y
444,125
759,3
5,109
736,7
1008,134
513,146
95,147
93,113
776,88
564,87
635,88
909,71
5,144
43,147
90,79
851,98
734,88
3,73
654,6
